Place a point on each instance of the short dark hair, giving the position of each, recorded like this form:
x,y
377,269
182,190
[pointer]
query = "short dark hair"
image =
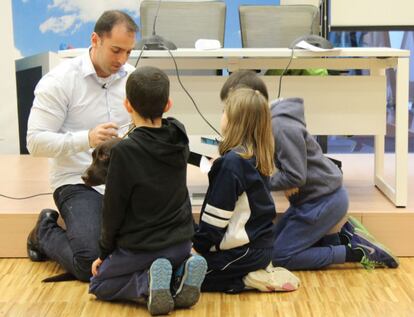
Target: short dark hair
x,y
148,90
110,18
246,79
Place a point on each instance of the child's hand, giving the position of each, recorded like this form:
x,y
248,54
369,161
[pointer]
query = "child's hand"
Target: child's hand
x,y
291,191
95,266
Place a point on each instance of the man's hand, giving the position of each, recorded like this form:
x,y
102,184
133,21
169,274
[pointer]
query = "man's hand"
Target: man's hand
x,y
95,266
291,191
102,133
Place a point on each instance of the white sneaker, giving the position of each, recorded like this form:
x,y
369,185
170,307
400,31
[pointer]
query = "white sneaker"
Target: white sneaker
x,y
272,279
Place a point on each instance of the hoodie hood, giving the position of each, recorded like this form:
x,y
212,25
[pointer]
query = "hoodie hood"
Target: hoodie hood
x,y
291,107
168,144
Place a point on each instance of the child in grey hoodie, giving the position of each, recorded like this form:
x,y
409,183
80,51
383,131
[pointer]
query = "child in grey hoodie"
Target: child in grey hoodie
x,y
314,231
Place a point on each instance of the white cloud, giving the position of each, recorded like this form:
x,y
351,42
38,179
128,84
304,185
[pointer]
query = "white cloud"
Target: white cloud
x,y
81,11
58,24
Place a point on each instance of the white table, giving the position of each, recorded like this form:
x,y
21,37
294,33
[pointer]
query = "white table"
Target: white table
x,y
334,105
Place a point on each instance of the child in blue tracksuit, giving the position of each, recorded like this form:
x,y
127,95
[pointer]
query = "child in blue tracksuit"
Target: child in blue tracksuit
x,y
236,233
314,232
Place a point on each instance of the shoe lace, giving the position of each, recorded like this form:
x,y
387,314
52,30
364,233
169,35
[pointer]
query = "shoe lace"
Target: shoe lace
x,y
370,264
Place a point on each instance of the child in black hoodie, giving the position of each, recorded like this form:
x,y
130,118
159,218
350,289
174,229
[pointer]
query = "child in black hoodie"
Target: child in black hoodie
x,y
147,222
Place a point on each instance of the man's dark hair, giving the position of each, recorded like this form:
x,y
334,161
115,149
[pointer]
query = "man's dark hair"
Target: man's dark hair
x,y
246,79
110,18
148,90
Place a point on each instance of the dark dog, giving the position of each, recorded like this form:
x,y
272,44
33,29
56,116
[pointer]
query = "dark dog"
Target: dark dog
x,y
96,173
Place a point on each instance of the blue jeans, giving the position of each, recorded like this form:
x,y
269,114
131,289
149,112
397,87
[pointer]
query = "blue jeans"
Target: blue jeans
x,y
78,246
123,275
300,232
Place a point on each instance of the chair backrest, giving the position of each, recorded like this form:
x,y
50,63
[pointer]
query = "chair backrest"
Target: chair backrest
x,y
277,26
184,22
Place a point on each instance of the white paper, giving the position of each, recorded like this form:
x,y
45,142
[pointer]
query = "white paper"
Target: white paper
x,y
206,44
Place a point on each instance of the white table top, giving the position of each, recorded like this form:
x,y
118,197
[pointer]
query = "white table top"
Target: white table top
x,y
260,52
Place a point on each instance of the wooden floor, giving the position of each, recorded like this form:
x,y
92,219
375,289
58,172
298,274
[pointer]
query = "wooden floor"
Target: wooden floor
x,y
347,291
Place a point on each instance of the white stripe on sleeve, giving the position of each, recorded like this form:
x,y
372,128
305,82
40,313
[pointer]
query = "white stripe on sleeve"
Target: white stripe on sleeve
x,y
218,212
214,221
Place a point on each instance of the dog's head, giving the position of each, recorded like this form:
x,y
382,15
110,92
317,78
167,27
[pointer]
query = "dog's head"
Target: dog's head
x,y
96,173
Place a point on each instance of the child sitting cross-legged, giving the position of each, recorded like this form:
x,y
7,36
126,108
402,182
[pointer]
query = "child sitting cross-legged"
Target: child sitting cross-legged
x,y
236,232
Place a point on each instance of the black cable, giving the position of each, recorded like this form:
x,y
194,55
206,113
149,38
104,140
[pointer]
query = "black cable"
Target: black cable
x,y
26,197
139,56
284,72
182,86
188,94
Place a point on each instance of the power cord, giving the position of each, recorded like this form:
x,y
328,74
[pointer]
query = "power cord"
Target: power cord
x,y
188,94
285,71
139,56
182,86
25,197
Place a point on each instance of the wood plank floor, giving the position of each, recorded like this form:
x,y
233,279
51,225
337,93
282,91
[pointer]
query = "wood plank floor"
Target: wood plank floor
x,y
338,291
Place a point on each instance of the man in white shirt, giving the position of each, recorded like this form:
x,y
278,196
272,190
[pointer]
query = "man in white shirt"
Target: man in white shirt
x,y
78,105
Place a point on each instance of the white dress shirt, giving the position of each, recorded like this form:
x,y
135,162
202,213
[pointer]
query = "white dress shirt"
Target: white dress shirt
x,y
70,100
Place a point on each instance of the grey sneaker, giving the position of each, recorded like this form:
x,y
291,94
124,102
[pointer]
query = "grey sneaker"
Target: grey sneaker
x,y
190,276
160,301
375,254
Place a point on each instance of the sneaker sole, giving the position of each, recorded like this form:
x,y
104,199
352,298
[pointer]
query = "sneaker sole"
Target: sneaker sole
x,y
194,272
160,301
377,244
359,226
274,279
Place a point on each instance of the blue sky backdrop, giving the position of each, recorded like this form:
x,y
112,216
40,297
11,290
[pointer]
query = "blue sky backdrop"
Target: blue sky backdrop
x,y
41,26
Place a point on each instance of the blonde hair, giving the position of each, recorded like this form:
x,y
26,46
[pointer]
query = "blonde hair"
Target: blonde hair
x,y
249,128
